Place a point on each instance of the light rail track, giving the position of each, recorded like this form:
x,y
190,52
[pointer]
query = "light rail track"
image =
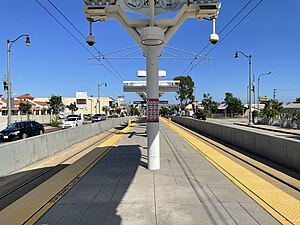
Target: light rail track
x,y
277,196
17,192
239,155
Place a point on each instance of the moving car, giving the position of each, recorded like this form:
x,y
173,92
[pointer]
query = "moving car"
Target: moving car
x,y
200,116
72,121
21,130
98,118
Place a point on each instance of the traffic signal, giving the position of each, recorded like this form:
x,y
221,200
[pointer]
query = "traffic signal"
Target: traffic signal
x,y
5,85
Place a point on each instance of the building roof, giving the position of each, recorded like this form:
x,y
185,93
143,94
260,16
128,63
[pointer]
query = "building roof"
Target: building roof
x,y
25,96
41,103
292,106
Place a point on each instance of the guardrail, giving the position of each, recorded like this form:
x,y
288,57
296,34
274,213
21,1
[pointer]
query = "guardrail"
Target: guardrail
x,y
16,155
283,151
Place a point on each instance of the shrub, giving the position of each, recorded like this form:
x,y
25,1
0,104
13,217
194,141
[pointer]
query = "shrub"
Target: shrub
x,y
255,113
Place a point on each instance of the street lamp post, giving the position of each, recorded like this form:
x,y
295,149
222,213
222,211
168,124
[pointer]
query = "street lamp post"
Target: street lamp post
x,y
9,102
258,82
99,85
250,83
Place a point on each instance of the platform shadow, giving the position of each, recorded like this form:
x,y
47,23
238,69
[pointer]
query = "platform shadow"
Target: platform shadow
x,y
97,196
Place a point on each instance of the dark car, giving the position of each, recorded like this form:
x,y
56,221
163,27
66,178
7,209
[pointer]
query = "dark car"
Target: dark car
x,y
96,118
104,116
200,116
21,130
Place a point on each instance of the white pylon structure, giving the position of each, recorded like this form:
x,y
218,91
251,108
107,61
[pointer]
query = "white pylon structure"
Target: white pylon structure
x,y
151,35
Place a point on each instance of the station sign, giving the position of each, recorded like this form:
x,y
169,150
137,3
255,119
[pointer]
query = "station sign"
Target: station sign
x,y
139,102
142,6
153,110
144,102
163,102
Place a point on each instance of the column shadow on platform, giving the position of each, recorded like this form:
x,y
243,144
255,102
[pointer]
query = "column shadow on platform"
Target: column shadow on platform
x,y
98,196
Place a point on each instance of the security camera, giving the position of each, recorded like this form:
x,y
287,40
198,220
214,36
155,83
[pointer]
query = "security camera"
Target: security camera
x,y
214,38
90,40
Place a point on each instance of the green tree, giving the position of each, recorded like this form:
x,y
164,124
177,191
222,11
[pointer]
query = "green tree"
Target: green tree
x,y
56,105
25,108
298,100
296,116
135,111
272,108
208,104
105,109
186,90
164,111
73,107
118,110
234,104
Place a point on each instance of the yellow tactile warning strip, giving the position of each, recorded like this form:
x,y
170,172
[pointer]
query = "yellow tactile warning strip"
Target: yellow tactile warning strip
x,y
29,208
283,207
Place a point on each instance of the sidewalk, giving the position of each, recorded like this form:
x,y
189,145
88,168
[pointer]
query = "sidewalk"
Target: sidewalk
x,y
186,190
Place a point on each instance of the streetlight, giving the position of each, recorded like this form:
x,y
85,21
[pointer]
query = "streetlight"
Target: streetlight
x,y
9,100
99,85
250,82
263,74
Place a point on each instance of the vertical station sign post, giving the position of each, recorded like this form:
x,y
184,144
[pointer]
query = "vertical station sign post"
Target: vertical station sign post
x,y
151,35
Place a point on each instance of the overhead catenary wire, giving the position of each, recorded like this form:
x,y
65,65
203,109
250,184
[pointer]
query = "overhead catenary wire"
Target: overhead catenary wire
x,y
230,31
59,11
233,18
78,41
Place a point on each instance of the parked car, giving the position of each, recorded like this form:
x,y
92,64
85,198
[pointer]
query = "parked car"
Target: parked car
x,y
74,115
98,118
200,116
21,130
72,122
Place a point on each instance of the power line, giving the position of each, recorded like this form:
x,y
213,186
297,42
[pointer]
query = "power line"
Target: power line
x,y
84,38
191,63
288,89
78,41
229,31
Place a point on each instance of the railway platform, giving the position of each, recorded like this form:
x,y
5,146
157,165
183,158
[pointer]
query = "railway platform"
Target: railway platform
x,y
195,185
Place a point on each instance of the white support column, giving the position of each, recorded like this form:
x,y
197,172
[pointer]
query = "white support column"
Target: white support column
x,y
153,94
151,35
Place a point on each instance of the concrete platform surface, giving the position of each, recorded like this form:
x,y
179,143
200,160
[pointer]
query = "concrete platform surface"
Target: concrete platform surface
x,y
186,190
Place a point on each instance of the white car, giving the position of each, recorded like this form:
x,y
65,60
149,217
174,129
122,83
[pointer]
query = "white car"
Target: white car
x,y
72,122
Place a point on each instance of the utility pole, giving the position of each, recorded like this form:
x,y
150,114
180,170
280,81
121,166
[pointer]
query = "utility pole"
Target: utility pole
x,y
274,93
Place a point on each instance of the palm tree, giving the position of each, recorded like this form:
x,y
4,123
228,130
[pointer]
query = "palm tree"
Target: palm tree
x,y
25,108
272,109
56,105
105,109
72,107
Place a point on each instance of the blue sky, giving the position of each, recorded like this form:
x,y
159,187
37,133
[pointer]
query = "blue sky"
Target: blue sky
x,y
56,64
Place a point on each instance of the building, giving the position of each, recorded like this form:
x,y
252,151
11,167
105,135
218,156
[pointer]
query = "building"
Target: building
x,y
290,108
92,104
39,106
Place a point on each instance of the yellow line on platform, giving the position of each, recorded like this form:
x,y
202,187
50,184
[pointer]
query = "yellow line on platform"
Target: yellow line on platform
x,y
29,208
282,206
